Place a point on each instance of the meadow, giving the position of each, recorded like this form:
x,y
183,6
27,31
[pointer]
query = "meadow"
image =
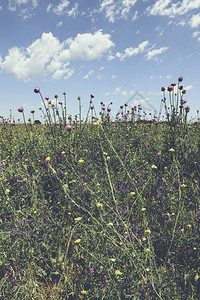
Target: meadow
x,y
101,209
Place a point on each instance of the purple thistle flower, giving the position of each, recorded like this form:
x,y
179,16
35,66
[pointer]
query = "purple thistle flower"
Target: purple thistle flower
x,y
20,109
37,90
69,127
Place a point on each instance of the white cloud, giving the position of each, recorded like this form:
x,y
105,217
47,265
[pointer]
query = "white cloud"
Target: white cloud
x,y
60,9
113,77
74,11
128,52
117,9
153,54
118,91
170,9
63,8
196,33
195,21
49,56
59,24
88,74
13,4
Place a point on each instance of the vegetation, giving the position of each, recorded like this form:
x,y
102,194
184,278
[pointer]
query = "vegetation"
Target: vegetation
x,y
101,209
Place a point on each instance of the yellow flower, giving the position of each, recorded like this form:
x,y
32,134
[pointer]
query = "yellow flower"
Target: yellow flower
x,y
171,150
148,231
143,209
113,259
117,273
104,153
153,167
197,277
81,161
77,241
110,224
83,292
183,185
108,157
7,191
100,205
48,159
132,193
78,219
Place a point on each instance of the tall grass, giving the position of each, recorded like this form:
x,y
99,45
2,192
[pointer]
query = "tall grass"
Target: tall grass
x,y
100,211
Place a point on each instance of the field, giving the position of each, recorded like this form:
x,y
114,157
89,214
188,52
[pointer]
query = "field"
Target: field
x,y
100,210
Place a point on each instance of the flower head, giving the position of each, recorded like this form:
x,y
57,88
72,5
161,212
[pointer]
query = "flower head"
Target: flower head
x,y
69,127
92,95
37,90
180,78
170,88
20,109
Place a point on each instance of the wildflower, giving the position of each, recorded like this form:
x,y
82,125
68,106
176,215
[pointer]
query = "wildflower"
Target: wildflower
x,y
20,109
78,219
81,161
47,98
196,277
69,127
37,90
92,95
7,191
183,185
144,209
48,159
83,292
32,111
132,193
117,273
113,259
148,231
170,88
153,167
180,78
163,89
189,225
104,153
99,205
110,224
108,157
77,241
171,150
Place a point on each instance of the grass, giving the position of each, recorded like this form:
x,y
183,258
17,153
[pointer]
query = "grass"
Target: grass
x,y
100,211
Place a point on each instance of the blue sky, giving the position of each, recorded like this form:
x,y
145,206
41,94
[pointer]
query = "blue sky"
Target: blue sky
x,y
111,48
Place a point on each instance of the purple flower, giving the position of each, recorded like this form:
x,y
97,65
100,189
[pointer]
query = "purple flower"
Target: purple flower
x,y
20,109
108,109
32,111
180,78
47,97
37,90
92,95
170,88
69,127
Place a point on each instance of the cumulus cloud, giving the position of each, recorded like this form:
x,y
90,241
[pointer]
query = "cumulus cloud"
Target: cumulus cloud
x,y
117,9
195,21
48,56
171,9
154,54
128,52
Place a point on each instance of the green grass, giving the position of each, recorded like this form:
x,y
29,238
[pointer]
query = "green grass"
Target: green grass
x,y
108,212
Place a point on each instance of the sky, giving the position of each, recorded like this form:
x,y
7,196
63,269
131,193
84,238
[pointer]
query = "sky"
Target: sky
x,y
122,51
